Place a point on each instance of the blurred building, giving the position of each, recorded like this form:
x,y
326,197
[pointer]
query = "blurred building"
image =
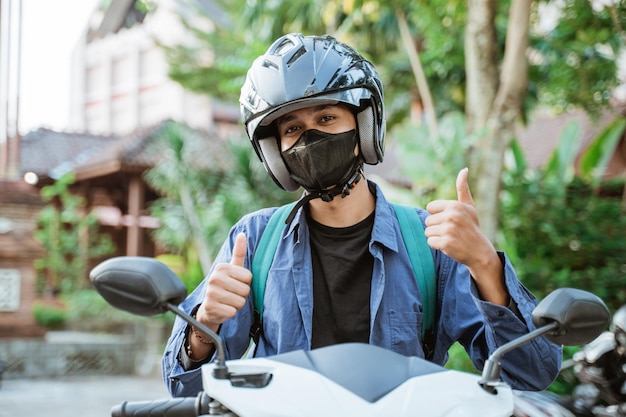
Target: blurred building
x,y
122,100
121,78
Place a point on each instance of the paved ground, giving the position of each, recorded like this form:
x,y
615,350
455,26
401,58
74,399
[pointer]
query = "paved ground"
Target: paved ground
x,y
86,396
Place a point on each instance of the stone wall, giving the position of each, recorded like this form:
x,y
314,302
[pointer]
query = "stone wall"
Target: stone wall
x,y
31,358
77,353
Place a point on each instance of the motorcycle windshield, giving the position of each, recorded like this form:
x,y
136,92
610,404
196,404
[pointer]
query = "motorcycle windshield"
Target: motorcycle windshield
x,y
368,371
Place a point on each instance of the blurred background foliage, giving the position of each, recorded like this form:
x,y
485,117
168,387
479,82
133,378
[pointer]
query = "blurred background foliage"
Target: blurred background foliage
x,y
559,229
71,238
572,55
560,226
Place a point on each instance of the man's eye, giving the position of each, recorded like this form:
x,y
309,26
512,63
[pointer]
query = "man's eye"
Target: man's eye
x,y
291,129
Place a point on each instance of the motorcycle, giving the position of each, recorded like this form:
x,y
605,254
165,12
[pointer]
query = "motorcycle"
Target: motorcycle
x,y
345,379
600,368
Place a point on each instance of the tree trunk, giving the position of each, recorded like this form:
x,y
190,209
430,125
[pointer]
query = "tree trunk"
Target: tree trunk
x,y
504,111
418,73
481,62
199,241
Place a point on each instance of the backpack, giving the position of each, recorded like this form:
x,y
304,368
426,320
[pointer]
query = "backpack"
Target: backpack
x,y
412,235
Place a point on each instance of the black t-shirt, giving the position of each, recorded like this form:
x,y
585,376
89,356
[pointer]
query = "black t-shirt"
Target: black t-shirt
x,y
342,278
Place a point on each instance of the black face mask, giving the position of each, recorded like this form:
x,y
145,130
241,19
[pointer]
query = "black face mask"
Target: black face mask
x,y
319,160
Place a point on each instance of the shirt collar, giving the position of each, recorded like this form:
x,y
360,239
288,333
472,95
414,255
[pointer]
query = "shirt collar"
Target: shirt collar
x,y
384,231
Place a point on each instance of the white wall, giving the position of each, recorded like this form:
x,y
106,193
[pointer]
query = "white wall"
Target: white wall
x,y
121,82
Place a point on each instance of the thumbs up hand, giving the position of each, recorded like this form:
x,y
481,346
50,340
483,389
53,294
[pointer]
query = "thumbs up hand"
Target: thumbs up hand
x,y
227,288
453,228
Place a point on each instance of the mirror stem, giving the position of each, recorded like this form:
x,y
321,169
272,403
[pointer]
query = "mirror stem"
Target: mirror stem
x,y
491,371
221,370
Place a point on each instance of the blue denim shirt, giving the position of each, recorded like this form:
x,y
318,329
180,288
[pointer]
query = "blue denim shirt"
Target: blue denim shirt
x,y
395,306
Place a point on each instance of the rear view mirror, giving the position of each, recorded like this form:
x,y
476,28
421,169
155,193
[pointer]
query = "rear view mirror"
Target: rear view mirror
x,y
147,287
581,316
138,285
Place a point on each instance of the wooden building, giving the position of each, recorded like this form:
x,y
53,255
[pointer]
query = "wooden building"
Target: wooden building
x,y
109,174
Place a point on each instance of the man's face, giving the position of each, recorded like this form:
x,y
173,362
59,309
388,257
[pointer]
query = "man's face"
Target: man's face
x,y
326,118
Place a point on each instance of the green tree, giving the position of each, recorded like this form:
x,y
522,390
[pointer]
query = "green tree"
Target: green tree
x,y
216,63
560,231
70,237
206,186
431,165
574,62
187,183
474,56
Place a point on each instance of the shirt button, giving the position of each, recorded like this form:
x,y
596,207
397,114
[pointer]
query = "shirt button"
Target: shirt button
x,y
500,313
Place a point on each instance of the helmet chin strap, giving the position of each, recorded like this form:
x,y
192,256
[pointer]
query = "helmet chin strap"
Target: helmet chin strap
x,y
329,194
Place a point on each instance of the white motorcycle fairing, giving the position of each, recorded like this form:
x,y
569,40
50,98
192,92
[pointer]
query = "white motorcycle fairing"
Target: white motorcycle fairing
x,y
348,380
353,379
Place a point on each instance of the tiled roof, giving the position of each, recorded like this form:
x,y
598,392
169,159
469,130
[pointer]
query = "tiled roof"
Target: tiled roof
x,y
47,152
145,149
51,154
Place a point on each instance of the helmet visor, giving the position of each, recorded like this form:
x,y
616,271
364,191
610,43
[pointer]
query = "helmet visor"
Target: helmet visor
x,y
261,126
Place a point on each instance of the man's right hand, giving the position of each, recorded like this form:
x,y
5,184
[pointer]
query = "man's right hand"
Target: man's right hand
x,y
227,288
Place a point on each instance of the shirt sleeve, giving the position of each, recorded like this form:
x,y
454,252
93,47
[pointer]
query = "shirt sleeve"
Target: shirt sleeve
x,y
503,324
185,361
182,378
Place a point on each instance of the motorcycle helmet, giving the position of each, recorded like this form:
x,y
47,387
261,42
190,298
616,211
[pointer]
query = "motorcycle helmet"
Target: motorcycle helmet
x,y
618,327
299,71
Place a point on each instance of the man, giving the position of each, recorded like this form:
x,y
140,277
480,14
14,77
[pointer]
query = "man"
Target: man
x,y
313,109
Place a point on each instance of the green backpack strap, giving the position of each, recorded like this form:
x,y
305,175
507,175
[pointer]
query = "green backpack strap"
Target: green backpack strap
x,y
421,260
264,254
414,240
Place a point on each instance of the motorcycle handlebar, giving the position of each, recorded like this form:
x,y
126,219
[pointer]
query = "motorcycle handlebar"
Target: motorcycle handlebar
x,y
171,407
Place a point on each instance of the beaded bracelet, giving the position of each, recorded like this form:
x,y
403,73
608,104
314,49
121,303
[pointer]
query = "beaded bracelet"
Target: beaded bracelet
x,y
197,334
200,336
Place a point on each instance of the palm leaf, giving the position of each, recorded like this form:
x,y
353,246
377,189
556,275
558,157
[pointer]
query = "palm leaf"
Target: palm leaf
x,y
597,156
561,164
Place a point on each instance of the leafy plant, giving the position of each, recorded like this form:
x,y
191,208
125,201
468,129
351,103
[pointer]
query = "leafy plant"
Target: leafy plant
x,y
432,165
48,315
86,310
575,61
70,237
459,360
596,157
202,199
560,231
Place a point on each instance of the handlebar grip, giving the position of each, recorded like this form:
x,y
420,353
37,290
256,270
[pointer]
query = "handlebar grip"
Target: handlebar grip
x,y
170,407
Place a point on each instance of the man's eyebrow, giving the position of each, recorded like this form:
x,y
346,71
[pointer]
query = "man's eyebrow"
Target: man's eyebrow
x,y
289,116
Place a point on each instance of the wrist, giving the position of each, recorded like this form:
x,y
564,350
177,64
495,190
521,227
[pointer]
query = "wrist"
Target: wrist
x,y
197,345
490,281
200,337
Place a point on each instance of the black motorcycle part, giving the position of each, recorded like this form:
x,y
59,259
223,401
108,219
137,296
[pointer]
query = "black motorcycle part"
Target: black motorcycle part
x,y
171,407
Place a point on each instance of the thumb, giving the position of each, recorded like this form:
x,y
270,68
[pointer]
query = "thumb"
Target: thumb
x,y
463,192
239,250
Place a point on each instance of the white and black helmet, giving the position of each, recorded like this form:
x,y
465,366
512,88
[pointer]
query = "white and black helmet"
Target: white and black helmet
x,y
299,71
